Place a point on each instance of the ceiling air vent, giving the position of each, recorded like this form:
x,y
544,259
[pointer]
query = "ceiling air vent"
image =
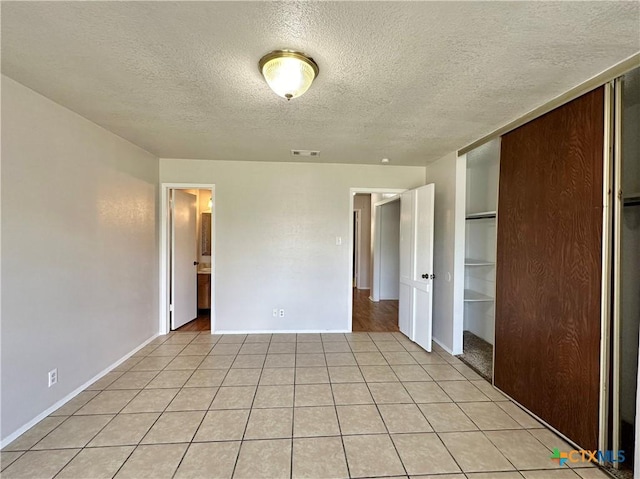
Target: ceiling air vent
x,y
305,153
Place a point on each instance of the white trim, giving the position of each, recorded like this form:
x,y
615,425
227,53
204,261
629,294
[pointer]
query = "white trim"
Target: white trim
x,y
387,201
349,265
441,344
376,253
459,248
284,331
618,203
164,326
21,430
374,293
357,241
212,281
605,291
163,299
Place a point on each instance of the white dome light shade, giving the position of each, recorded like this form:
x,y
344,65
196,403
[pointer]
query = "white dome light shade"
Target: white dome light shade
x,y
289,74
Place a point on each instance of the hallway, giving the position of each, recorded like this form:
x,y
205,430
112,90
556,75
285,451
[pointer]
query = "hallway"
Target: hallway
x,y
376,317
201,323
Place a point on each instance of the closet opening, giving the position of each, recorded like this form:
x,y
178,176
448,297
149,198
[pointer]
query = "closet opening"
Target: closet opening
x,y
483,164
626,274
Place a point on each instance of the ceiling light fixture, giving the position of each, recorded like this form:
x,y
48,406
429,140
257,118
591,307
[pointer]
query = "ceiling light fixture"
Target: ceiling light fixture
x,y
288,73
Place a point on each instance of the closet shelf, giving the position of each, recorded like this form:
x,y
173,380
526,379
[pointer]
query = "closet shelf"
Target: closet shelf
x,y
478,262
481,215
474,296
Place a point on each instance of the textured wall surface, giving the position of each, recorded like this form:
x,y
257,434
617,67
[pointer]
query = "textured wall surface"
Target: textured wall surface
x,y
446,244
411,81
363,203
275,238
389,250
79,251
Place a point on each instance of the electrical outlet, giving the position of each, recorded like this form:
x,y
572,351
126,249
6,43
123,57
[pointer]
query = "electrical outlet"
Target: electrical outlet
x,y
281,313
53,377
275,312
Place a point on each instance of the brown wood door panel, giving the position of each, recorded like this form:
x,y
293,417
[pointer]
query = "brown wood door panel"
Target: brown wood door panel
x,y
548,267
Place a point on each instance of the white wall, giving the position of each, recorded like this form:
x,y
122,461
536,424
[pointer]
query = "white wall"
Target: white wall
x,y
276,229
374,294
363,202
389,217
448,174
79,251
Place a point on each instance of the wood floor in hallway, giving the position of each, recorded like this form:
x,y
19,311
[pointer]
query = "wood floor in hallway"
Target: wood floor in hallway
x,y
369,316
201,323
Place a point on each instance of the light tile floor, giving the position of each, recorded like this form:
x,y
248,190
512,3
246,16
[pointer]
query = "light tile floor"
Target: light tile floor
x,y
193,405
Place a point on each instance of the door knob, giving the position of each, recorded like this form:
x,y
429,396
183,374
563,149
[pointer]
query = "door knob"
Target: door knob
x,y
433,276
195,263
425,276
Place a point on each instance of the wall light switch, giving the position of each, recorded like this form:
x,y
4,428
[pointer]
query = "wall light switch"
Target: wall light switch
x,y
338,240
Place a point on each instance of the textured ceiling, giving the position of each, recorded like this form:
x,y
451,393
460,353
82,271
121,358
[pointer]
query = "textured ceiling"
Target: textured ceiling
x,y
408,81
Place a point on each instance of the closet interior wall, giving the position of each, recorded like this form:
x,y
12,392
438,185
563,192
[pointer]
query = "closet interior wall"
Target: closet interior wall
x,y
627,266
483,165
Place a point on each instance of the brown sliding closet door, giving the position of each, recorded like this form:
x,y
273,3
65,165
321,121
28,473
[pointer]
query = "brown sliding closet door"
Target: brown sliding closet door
x,y
548,276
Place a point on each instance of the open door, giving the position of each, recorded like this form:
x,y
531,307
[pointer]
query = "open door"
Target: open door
x,y
184,256
416,265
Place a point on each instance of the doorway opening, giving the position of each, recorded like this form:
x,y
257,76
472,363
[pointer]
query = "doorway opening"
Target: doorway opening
x,y
187,258
374,259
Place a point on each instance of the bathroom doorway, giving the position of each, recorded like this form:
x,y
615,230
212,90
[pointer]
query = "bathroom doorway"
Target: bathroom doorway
x,y
187,269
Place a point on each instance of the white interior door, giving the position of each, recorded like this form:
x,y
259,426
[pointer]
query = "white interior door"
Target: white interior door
x,y
184,254
416,264
405,305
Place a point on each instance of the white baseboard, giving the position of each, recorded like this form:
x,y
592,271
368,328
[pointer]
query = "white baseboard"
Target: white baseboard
x,y
439,343
21,430
283,331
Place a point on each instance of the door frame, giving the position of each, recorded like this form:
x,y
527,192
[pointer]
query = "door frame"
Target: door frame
x,y
349,267
164,326
356,241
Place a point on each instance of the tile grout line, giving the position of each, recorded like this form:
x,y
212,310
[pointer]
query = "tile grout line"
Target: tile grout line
x,y
244,342
136,446
335,409
244,432
384,423
109,422
293,407
205,412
